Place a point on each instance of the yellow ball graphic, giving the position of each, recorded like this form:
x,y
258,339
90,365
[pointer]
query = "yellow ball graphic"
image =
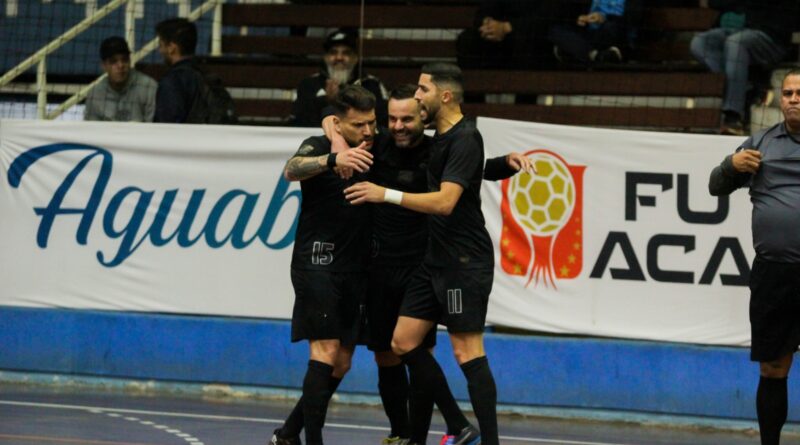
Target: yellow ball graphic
x,y
543,202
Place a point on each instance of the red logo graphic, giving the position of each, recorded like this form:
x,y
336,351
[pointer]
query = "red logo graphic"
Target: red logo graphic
x,y
542,220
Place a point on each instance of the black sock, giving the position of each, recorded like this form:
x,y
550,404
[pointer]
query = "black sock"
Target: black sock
x,y
446,403
316,394
428,383
294,423
772,407
483,395
393,388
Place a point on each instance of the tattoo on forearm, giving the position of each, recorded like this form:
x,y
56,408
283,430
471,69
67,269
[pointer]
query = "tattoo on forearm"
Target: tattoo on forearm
x,y
300,168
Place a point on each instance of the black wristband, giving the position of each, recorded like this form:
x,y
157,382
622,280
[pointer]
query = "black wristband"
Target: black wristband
x,y
331,160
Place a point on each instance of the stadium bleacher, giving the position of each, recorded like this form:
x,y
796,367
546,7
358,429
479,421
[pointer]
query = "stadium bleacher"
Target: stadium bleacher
x,y
668,84
265,52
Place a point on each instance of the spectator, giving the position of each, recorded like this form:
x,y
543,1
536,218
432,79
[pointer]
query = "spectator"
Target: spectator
x,y
316,92
509,34
180,86
762,42
600,35
124,94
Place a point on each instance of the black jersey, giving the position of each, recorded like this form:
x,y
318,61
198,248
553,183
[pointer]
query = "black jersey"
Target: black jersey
x,y
459,240
400,236
332,234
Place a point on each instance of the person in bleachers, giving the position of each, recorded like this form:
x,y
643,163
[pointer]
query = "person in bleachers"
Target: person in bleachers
x,y
125,94
762,40
316,92
599,35
510,34
180,86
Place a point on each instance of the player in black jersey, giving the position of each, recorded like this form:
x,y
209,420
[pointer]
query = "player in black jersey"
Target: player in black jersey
x,y
399,242
329,260
453,285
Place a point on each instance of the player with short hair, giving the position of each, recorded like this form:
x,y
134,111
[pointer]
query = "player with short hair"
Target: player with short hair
x,y
329,260
452,287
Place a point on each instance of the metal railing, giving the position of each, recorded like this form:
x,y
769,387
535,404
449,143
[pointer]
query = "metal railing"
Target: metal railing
x,y
39,58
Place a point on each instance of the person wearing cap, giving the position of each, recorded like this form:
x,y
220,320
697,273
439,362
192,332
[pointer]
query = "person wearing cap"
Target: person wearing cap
x,y
316,92
125,94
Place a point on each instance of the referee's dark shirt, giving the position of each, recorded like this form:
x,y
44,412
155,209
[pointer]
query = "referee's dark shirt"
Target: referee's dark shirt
x,y
459,240
332,234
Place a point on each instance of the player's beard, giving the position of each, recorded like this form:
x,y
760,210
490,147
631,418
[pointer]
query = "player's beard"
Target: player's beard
x,y
339,74
428,113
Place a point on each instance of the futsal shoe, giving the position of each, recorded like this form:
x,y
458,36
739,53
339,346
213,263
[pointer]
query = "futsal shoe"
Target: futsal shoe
x,y
468,436
277,440
395,440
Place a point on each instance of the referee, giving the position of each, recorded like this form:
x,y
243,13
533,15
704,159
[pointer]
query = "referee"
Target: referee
x,y
767,163
452,287
329,260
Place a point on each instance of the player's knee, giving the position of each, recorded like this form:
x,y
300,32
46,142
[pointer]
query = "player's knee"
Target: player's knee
x,y
341,369
463,355
400,347
774,370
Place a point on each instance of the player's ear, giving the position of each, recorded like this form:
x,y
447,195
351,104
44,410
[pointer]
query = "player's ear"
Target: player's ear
x,y
447,96
337,124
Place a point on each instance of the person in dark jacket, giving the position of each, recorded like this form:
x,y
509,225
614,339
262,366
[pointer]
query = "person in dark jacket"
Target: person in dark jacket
x,y
600,35
180,86
316,92
763,41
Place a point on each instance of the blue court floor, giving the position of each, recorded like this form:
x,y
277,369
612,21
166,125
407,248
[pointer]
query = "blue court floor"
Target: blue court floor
x,y
52,415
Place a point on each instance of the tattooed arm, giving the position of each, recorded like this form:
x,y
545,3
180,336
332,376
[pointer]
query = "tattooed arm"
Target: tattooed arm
x,y
299,168
307,162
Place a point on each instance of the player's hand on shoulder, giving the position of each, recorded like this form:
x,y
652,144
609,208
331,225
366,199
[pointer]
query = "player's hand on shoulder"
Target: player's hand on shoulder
x,y
746,161
520,163
364,192
343,172
358,158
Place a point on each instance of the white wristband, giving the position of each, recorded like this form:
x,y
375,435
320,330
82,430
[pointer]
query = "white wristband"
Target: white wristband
x,y
393,196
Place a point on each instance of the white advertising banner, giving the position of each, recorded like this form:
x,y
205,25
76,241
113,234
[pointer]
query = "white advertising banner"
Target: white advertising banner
x,y
615,235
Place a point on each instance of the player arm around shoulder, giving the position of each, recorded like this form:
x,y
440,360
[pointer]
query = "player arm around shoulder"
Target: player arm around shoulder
x,y
307,163
441,202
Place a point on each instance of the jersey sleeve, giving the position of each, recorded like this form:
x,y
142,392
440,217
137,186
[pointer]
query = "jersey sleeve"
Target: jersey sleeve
x,y
464,159
310,148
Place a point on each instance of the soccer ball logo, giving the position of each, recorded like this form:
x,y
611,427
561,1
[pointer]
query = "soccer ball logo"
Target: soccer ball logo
x,y
543,202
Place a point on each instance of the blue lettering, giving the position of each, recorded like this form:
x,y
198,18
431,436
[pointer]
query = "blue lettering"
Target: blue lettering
x,y
279,198
133,233
48,214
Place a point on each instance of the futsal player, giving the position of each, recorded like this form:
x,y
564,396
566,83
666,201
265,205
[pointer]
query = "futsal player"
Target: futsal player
x,y
453,285
329,260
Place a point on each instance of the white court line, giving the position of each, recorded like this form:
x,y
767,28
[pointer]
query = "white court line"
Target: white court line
x,y
277,421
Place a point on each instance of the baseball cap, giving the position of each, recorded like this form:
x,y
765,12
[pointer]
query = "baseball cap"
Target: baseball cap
x,y
113,46
342,36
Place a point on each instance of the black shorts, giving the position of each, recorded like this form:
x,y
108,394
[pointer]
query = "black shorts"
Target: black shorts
x,y
329,306
387,286
774,310
456,298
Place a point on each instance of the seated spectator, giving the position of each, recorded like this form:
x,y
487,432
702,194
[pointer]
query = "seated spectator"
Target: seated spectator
x,y
510,34
316,92
598,36
763,41
124,94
